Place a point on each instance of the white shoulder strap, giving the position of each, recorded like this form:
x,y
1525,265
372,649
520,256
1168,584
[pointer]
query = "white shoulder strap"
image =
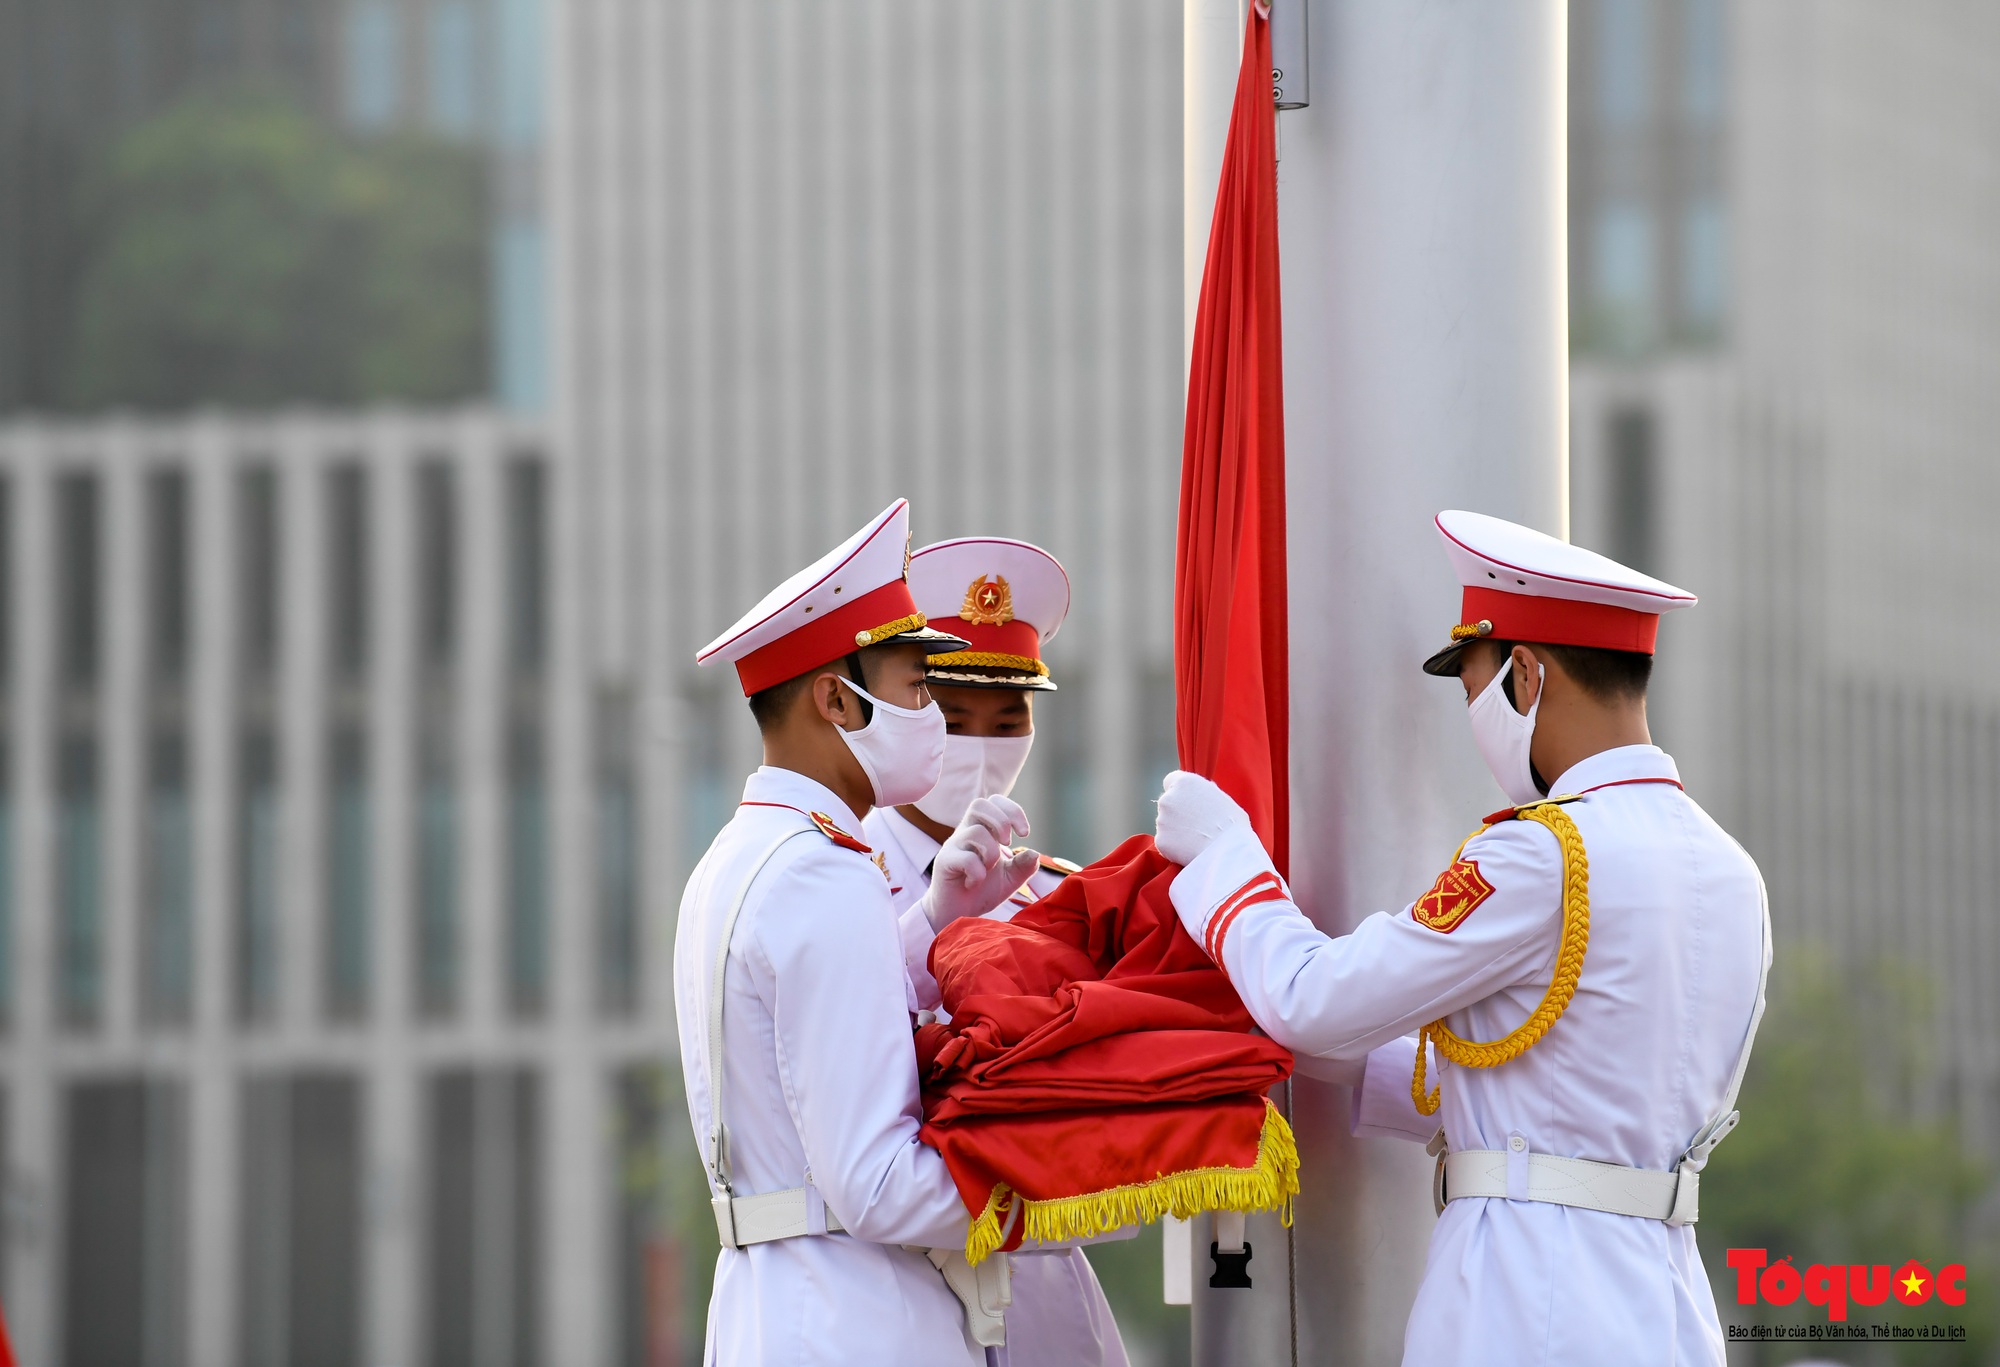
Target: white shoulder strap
x,y
1724,1120
718,1138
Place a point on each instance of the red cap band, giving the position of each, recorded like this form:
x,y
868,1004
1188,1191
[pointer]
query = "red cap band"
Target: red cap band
x,y
824,640
1009,638
1560,621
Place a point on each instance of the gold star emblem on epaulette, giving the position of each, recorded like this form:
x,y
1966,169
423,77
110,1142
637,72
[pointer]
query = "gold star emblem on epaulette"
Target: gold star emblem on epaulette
x,y
989,602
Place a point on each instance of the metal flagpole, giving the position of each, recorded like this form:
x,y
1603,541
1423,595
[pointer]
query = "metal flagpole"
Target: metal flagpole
x,y
1422,234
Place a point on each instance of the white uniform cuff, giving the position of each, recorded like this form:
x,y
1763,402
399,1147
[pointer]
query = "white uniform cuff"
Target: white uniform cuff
x,y
1218,873
1382,1105
915,929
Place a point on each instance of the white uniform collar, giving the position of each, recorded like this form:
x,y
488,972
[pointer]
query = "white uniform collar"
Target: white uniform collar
x,y
1619,765
790,788
917,847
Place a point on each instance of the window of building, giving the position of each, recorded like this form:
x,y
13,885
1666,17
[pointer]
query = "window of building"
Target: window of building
x,y
217,39
167,851
522,60
1624,62
1623,275
1632,489
258,569
257,877
483,1232
1704,267
659,1175
437,877
1159,749
437,550
6,585
527,566
1065,729
168,934
167,576
1704,79
709,798
527,871
373,63
618,948
6,754
451,49
520,315
301,1228
437,569
347,576
7,918
79,879
124,1213
349,870
77,590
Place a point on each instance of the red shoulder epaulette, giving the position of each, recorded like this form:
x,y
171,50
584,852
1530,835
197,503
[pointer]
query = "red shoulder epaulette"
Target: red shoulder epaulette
x,y
838,836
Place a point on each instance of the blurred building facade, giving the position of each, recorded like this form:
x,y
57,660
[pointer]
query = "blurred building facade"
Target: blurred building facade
x,y
353,761
1787,312
76,74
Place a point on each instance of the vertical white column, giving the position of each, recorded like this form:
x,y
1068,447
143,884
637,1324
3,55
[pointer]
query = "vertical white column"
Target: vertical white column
x,y
301,727
1421,203
391,1261
576,1192
33,1097
122,537
482,569
214,1131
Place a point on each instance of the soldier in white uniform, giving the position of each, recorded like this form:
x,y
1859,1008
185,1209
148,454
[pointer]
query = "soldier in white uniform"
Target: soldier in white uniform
x,y
1590,967
791,995
1007,598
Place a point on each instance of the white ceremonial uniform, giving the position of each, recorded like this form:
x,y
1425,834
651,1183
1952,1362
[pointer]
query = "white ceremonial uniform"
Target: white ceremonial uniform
x,y
1640,1060
1059,1317
820,1088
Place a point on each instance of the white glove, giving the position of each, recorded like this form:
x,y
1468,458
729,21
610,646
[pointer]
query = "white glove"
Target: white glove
x,y
976,869
1193,812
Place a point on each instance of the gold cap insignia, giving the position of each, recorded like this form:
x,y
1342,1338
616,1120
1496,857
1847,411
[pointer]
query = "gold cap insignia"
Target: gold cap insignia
x,y
988,602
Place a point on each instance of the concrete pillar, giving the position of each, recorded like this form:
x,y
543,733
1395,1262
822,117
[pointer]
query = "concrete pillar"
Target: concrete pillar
x,y
1421,208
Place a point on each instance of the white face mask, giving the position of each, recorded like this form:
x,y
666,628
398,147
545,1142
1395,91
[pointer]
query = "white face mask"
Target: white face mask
x,y
1503,736
974,766
901,749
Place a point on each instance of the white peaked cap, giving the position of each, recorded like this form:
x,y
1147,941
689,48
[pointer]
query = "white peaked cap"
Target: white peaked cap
x,y
856,595
1005,597
1523,585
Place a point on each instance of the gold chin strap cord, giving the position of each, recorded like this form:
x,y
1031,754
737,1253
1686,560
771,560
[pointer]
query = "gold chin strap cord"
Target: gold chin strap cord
x,y
1569,967
989,659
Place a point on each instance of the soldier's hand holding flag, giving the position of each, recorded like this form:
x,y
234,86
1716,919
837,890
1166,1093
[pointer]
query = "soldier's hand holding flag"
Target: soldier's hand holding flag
x,y
977,869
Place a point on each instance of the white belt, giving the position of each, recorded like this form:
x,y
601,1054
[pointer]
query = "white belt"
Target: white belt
x,y
1522,1176
744,1220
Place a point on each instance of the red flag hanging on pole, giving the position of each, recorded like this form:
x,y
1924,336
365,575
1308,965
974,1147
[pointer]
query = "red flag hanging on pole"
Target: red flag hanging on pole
x,y
1096,1067
1231,667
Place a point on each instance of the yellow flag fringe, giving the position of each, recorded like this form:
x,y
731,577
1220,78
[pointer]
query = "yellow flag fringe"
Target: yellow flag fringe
x,y
1270,1185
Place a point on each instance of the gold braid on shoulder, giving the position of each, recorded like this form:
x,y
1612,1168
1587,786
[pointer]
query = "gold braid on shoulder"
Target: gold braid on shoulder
x,y
1569,967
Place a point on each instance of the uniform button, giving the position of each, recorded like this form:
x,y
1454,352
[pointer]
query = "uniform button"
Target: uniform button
x,y
1517,1143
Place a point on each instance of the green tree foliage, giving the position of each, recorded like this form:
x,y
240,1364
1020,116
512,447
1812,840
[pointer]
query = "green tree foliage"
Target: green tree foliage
x,y
236,252
1839,1159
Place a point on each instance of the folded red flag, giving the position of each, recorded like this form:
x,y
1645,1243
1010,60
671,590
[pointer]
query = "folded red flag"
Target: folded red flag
x,y
1097,1066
